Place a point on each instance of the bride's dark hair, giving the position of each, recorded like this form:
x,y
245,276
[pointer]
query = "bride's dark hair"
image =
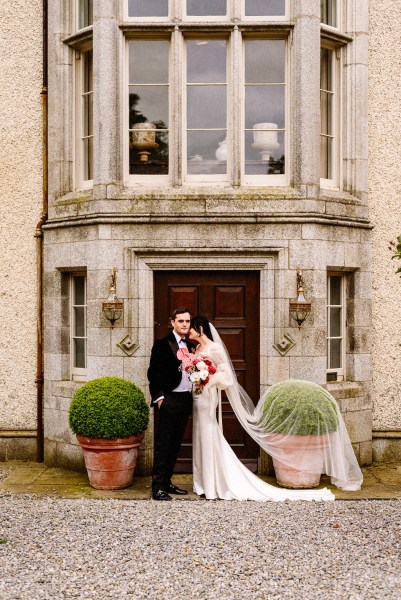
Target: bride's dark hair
x,y
198,322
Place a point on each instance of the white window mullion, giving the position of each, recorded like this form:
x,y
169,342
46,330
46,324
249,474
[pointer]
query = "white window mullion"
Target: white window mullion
x,y
177,110
235,104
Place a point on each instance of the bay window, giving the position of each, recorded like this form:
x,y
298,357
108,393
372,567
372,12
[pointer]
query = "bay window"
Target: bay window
x,y
212,101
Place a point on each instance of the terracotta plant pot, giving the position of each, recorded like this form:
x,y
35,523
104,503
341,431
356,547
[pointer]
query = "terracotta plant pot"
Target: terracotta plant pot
x,y
110,463
301,450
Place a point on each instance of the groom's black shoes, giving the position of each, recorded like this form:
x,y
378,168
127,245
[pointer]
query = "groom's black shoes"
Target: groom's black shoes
x,y
173,489
160,495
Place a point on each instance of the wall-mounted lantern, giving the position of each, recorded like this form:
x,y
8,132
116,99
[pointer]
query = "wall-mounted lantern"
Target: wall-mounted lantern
x,y
113,307
300,308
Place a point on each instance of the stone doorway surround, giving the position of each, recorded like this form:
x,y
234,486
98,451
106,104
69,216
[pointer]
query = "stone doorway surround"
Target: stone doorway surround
x,y
271,262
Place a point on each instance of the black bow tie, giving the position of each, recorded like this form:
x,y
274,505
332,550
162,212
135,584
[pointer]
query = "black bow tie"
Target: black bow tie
x,y
185,341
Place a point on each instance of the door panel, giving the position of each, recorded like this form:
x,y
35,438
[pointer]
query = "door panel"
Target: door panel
x,y
230,300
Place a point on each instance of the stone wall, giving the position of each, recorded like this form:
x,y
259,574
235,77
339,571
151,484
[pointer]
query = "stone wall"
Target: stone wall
x,y
384,198
275,250
21,200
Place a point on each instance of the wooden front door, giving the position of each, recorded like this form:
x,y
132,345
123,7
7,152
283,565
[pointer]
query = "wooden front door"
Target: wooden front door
x,y
230,300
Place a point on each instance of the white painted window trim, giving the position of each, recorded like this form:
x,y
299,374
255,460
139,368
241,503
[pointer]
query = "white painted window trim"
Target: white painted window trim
x,y
207,179
80,182
177,9
266,180
339,18
77,374
177,126
147,181
340,372
334,183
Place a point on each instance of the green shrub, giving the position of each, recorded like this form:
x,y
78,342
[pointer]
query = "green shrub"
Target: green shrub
x,y
298,407
109,408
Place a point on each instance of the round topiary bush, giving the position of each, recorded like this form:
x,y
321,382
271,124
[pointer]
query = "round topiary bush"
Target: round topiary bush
x,y
297,407
109,407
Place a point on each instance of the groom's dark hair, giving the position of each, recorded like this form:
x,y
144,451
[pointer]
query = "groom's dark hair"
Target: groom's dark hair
x,y
180,311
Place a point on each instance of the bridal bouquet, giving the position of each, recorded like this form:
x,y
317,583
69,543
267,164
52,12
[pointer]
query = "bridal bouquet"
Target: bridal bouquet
x,y
199,369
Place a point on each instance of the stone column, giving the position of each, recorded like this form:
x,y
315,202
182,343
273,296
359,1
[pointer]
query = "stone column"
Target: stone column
x,y
355,100
304,105
106,98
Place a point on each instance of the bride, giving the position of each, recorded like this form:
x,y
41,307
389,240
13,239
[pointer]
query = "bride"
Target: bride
x,y
217,472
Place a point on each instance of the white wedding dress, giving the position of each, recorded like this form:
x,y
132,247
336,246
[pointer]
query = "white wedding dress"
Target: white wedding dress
x,y
217,472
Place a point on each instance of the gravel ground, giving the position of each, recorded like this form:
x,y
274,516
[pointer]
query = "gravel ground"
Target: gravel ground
x,y
108,549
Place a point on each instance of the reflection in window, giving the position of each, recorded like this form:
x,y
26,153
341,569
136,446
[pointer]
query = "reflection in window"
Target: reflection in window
x,y
206,107
85,13
206,8
327,110
78,325
148,107
264,107
328,12
335,327
264,8
87,116
147,8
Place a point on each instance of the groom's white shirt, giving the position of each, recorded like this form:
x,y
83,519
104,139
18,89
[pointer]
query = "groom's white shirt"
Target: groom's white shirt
x,y
185,384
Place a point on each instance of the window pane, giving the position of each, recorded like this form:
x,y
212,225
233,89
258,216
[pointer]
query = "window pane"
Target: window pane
x,y
79,321
79,291
148,61
207,107
205,8
335,290
326,65
326,113
148,8
328,12
148,107
206,61
148,104
264,152
265,61
264,107
85,13
88,159
148,153
207,152
335,354
271,8
79,359
335,321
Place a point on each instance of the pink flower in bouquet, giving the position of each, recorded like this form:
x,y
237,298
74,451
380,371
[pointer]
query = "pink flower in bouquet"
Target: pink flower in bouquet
x,y
199,369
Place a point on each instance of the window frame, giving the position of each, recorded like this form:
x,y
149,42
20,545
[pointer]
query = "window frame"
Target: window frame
x,y
177,9
339,14
76,12
279,180
178,176
77,373
333,183
340,372
79,118
148,181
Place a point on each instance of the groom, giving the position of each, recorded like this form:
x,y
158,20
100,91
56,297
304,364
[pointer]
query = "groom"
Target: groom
x,y
171,392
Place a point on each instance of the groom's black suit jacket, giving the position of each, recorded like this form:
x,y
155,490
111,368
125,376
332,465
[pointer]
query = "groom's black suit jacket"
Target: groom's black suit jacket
x,y
163,373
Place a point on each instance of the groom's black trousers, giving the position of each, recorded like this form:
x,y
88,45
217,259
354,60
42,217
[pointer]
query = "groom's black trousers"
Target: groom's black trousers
x,y
170,428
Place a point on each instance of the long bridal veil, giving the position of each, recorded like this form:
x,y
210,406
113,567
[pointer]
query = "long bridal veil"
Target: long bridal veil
x,y
282,414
